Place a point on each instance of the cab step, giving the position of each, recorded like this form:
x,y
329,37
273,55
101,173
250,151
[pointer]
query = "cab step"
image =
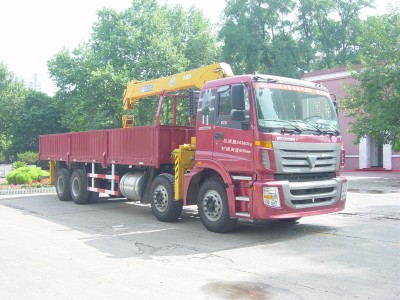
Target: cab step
x,y
242,198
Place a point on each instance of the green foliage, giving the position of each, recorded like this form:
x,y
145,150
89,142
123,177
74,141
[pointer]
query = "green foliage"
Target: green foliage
x,y
12,95
25,175
262,36
38,115
24,115
375,102
29,157
18,164
145,41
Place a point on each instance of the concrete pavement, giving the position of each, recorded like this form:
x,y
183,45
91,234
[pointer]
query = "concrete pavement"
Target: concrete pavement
x,y
115,249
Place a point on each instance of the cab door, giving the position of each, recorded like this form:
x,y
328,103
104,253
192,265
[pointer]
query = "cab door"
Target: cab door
x,y
233,131
205,124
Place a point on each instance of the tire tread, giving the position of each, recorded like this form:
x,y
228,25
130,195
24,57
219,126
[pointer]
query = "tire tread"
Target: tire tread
x,y
226,225
66,176
83,198
175,207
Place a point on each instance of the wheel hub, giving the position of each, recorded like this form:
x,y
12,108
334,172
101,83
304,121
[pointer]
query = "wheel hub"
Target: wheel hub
x,y
60,184
212,205
160,198
75,187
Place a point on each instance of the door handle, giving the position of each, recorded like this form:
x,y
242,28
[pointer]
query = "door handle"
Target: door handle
x,y
218,135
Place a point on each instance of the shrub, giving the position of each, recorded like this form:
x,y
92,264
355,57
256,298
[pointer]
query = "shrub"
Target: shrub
x,y
11,177
28,157
25,175
18,164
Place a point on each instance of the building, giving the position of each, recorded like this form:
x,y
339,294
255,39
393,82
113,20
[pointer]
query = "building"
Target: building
x,y
368,154
33,83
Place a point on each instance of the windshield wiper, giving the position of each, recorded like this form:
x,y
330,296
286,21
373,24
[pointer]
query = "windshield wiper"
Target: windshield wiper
x,y
291,131
332,131
312,125
294,130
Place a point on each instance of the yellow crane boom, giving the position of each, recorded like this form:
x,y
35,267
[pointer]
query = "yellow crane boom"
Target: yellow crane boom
x,y
196,78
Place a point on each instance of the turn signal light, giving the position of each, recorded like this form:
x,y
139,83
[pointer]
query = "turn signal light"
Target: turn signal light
x,y
265,144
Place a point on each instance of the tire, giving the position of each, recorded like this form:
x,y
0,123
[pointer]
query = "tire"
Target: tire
x,y
79,192
289,220
213,206
163,205
62,181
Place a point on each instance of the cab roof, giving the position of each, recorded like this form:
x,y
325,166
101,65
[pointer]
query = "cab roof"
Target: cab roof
x,y
248,78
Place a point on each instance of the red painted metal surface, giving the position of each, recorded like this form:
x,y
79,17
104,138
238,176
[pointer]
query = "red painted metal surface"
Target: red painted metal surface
x,y
147,145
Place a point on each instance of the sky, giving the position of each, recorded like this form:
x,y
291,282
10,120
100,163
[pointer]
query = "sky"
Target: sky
x,y
31,32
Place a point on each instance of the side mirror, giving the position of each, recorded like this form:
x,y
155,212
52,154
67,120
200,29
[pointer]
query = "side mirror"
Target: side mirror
x,y
237,115
237,97
240,116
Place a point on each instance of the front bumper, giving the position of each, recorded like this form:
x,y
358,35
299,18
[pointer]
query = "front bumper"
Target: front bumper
x,y
299,199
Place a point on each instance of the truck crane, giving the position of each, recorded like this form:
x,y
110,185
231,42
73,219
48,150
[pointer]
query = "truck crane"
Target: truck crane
x,y
259,147
137,90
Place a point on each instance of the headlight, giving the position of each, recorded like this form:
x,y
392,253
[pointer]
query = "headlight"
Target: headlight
x,y
271,197
343,194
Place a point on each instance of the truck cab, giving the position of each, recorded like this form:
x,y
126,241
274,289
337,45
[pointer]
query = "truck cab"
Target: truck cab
x,y
273,143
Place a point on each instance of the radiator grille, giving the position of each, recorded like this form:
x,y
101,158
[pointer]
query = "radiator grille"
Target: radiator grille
x,y
306,157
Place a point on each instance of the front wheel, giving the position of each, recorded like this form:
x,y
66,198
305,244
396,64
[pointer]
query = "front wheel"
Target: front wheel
x,y
213,206
163,204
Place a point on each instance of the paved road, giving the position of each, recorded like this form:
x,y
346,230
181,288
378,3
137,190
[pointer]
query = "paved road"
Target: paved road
x,y
117,250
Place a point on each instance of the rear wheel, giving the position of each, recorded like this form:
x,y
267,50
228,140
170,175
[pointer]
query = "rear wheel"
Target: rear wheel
x,y
213,206
62,180
163,204
79,192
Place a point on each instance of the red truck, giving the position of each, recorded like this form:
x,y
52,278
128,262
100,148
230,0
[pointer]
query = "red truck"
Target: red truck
x,y
258,147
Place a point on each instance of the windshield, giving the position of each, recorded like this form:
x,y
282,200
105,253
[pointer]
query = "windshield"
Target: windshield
x,y
294,109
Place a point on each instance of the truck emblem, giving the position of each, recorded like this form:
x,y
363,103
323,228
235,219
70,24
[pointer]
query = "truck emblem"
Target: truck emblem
x,y
312,159
286,139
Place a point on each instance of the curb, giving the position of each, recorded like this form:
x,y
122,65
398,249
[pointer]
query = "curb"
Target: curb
x,y
28,191
369,171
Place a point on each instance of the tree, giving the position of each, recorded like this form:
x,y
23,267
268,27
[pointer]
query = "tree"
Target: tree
x,y
253,33
143,42
375,102
290,37
38,116
12,93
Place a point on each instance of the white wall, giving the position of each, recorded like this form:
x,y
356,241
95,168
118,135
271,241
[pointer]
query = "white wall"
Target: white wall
x,y
387,157
4,169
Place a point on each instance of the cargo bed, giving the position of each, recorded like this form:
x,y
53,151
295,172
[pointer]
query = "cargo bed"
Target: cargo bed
x,y
147,145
